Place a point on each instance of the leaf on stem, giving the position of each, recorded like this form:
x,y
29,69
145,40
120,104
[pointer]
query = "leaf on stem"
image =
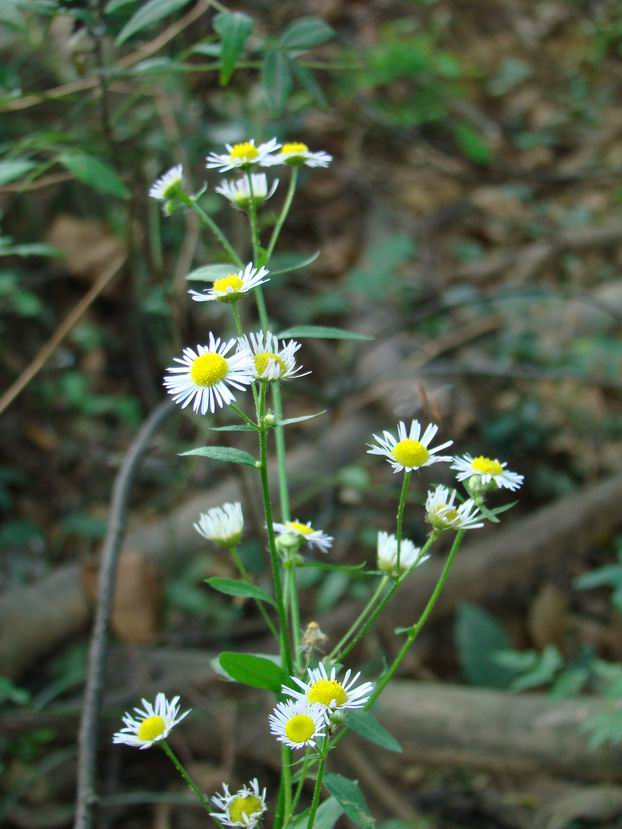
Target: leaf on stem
x,y
276,78
305,33
295,264
351,799
234,29
94,172
368,727
235,427
300,419
208,273
225,454
235,587
148,14
324,332
326,816
252,670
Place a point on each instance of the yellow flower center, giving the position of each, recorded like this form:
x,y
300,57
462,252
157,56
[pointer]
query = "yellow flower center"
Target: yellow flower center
x,y
244,807
410,453
327,691
230,281
294,148
244,152
300,728
298,527
487,466
209,369
151,728
263,358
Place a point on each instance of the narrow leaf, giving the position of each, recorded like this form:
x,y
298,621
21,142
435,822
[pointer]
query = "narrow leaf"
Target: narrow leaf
x,y
241,427
276,79
367,726
148,14
306,33
255,671
325,332
94,172
351,799
208,273
235,587
324,565
14,168
224,454
234,29
326,816
307,80
114,5
299,419
297,264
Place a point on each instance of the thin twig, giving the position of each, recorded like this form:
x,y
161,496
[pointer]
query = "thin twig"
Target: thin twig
x,y
86,796
59,335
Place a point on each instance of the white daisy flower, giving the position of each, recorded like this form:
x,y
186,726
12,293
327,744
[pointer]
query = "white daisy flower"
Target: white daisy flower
x,y
150,724
296,154
485,471
241,156
244,808
387,554
222,525
273,361
166,186
410,450
314,538
204,376
297,723
229,288
442,513
238,192
325,690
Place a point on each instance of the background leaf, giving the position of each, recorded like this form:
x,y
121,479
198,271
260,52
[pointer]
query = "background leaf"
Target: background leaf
x,y
276,79
478,638
224,454
351,799
234,29
325,332
147,14
94,172
14,168
306,33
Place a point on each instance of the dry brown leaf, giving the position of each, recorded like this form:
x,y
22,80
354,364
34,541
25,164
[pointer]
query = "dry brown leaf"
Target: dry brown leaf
x,y
88,247
548,616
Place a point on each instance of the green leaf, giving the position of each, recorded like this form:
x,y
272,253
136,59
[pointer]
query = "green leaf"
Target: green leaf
x,y
234,29
611,575
94,172
148,14
324,332
276,79
367,726
326,816
478,637
299,419
325,565
14,168
297,264
208,273
224,454
351,799
115,5
473,144
307,80
306,33
256,671
241,427
235,587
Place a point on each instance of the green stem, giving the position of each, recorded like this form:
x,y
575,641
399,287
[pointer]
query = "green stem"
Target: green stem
x,y
299,787
315,802
286,657
252,215
282,216
236,319
294,613
400,517
180,768
246,576
279,437
415,630
211,224
332,656
286,774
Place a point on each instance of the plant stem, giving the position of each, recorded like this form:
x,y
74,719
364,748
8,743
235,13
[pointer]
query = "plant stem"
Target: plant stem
x,y
246,576
299,786
180,768
283,215
236,319
315,802
286,657
335,653
287,780
400,518
211,224
294,613
252,215
279,437
415,630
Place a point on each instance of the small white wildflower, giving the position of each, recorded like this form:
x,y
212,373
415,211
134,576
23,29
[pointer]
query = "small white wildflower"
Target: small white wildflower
x,y
273,360
241,156
230,288
296,154
166,186
443,514
297,723
314,538
204,376
238,192
410,450
325,690
387,554
486,471
244,808
150,724
222,525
